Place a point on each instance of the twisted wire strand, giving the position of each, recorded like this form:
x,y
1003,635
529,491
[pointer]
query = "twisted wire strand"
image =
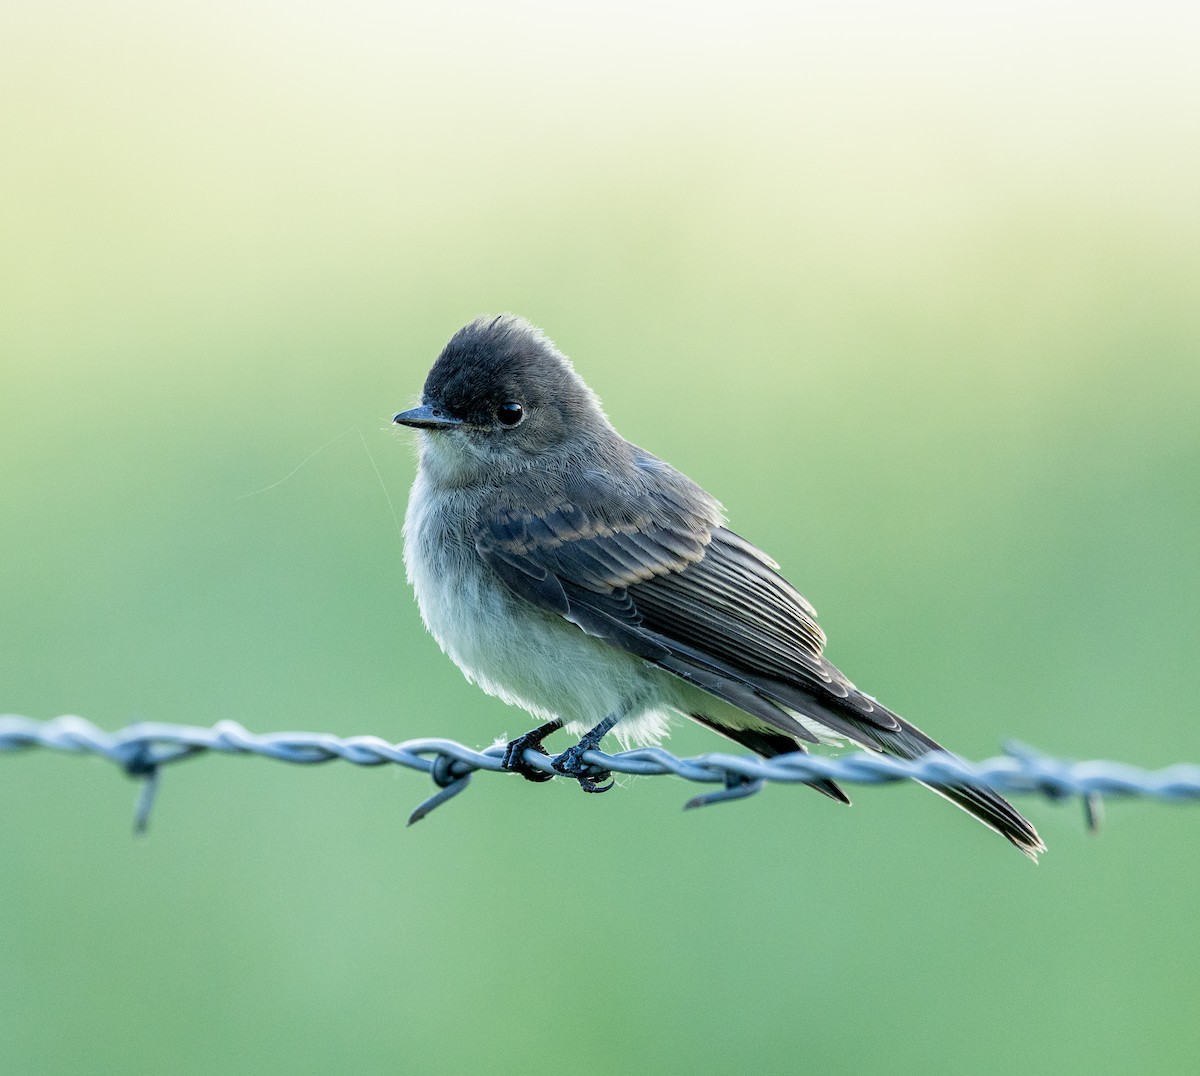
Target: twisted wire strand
x,y
143,749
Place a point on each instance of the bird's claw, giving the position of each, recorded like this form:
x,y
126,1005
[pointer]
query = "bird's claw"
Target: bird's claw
x,y
514,756
571,764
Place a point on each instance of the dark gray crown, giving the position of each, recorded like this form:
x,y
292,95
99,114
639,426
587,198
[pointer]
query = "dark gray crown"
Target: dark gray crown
x,y
494,360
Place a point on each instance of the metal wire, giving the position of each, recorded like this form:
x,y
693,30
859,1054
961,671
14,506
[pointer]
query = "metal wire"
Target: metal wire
x,y
142,750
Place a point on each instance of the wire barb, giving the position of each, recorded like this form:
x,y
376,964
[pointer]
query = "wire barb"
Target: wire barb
x,y
451,776
736,788
142,750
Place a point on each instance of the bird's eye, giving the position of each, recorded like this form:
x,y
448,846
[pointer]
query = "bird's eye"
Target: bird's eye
x,y
509,414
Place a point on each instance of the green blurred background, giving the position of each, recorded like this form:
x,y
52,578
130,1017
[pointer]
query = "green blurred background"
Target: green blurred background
x,y
916,293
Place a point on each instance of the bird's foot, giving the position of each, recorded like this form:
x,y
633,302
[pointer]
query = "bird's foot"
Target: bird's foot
x,y
571,764
514,753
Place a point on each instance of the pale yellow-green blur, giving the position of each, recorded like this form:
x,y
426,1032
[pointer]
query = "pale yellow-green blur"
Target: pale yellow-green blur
x,y
915,292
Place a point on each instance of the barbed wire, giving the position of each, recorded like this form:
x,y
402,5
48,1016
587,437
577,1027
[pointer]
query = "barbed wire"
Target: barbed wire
x,y
143,749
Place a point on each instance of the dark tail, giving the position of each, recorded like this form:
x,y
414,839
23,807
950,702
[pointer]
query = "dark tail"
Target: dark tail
x,y
992,810
868,723
877,728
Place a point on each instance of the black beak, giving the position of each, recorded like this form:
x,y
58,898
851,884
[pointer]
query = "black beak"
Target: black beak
x,y
426,418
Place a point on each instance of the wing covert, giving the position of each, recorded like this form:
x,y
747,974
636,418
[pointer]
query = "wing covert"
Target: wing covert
x,y
688,595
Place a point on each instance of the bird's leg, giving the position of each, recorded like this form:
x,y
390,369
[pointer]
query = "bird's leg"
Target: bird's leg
x,y
571,764
514,753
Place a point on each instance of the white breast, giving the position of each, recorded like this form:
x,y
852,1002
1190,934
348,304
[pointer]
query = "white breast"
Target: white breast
x,y
512,650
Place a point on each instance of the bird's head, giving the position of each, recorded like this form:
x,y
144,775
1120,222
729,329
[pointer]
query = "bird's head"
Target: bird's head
x,y
502,397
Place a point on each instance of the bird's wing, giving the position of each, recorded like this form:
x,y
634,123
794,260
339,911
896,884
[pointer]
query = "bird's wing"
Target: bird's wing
x,y
689,596
703,603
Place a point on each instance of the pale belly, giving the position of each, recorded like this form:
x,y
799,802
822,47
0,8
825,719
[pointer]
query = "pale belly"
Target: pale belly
x,y
529,658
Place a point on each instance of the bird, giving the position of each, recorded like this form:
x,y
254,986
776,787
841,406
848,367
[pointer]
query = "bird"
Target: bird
x,y
571,573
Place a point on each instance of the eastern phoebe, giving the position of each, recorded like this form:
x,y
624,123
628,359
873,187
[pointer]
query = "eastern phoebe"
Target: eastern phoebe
x,y
576,575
